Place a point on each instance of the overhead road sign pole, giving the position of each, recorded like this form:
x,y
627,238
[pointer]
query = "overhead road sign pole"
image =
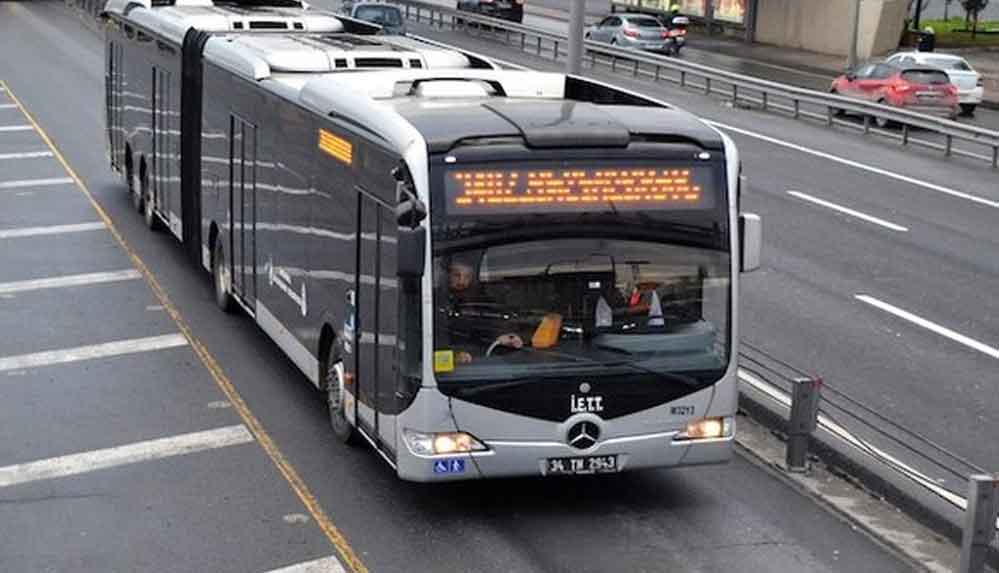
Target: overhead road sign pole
x,y
854,34
575,63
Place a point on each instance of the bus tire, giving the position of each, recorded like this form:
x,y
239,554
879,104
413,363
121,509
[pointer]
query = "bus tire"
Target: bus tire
x,y
335,402
138,188
149,208
220,279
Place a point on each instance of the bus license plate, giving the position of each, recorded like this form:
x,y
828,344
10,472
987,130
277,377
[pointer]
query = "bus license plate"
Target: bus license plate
x,y
581,466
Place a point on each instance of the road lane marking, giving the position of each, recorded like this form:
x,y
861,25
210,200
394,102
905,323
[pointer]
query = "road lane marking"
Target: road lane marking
x,y
50,230
6,128
7,106
932,326
324,565
850,212
347,555
48,182
69,281
85,462
91,352
858,165
25,155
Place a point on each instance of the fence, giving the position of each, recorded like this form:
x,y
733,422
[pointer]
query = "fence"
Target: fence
x,y
888,458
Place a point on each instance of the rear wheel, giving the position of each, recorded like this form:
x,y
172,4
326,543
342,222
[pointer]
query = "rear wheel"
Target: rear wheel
x,y
137,199
882,122
149,210
968,109
221,279
336,399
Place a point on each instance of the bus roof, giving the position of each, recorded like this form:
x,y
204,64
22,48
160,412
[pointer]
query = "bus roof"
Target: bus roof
x,y
449,106
174,20
287,57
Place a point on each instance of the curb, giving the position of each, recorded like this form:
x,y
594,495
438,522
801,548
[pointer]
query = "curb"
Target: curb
x,y
871,474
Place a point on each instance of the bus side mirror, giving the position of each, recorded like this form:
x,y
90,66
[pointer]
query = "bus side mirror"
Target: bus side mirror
x,y
751,235
410,212
412,248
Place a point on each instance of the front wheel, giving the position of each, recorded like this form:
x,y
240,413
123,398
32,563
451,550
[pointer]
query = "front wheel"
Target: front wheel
x,y
336,400
221,279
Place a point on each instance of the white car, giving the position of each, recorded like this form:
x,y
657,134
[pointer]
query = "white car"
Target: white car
x,y
970,86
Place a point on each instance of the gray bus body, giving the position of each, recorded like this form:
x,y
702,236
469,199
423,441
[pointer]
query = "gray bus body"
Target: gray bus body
x,y
154,54
626,314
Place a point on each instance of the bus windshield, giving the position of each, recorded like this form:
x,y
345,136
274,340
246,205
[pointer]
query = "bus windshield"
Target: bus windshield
x,y
548,307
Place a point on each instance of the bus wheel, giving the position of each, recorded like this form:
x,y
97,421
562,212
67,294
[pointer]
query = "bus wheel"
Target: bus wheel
x,y
136,189
220,279
335,400
149,211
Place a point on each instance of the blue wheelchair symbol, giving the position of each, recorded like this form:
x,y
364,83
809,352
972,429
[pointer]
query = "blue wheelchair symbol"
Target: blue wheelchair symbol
x,y
449,466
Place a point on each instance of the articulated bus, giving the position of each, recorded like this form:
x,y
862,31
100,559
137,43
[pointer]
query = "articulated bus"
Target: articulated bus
x,y
155,51
486,273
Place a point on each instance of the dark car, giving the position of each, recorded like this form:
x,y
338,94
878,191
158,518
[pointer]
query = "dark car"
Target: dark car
x,y
916,88
387,16
512,10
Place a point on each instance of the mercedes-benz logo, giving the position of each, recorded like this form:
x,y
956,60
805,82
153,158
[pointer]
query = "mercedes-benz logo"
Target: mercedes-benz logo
x,y
584,387
583,435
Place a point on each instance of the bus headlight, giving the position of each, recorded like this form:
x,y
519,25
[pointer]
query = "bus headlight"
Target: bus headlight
x,y
707,428
440,443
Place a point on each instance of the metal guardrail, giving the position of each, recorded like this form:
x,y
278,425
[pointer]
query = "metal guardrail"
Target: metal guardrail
x,y
799,103
939,474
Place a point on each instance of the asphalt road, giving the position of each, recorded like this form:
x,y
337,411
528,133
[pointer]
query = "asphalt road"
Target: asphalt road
x,y
716,51
154,505
878,264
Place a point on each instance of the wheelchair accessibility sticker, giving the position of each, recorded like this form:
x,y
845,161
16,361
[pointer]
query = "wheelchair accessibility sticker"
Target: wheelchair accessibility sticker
x,y
449,466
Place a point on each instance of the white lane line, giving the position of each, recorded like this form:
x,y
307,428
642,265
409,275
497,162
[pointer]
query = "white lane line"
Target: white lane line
x,y
4,128
50,230
941,330
861,166
105,350
21,183
7,106
69,281
84,462
324,565
850,212
25,155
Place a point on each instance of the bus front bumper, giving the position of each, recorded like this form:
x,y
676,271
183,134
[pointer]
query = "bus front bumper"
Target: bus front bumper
x,y
533,458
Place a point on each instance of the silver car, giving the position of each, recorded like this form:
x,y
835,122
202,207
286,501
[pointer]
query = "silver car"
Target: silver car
x,y
630,31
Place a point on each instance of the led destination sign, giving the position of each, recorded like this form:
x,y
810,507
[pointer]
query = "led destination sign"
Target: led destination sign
x,y
507,191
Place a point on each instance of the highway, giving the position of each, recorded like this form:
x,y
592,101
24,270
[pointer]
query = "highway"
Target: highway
x,y
716,51
877,263
145,430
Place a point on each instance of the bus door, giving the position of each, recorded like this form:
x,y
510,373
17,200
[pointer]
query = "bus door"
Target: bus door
x,y
161,145
377,305
111,94
243,209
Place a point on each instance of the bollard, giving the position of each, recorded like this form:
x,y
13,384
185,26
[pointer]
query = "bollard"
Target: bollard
x,y
979,522
805,394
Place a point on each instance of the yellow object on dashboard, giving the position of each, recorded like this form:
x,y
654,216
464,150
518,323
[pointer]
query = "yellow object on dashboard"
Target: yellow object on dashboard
x,y
547,333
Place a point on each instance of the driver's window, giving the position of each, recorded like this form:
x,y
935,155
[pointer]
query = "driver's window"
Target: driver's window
x,y
606,22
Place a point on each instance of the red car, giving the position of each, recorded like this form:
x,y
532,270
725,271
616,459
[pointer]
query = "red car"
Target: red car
x,y
916,88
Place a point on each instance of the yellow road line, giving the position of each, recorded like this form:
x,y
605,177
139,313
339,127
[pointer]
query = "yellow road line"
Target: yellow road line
x,y
347,554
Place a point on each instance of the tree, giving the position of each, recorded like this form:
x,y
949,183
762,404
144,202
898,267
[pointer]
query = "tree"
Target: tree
x,y
971,10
